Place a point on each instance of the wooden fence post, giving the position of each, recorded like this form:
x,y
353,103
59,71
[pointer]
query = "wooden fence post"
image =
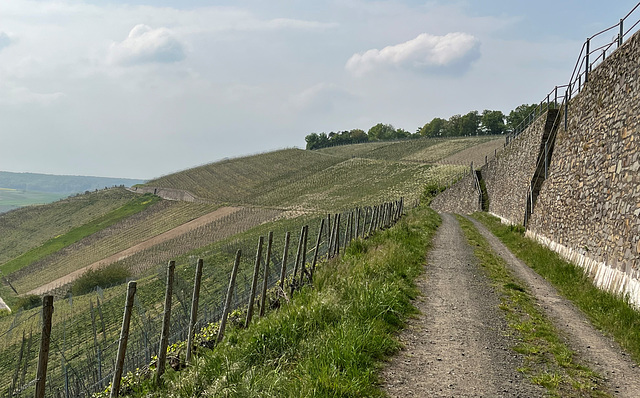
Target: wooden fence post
x,y
285,255
357,232
227,302
166,323
254,282
265,279
195,299
336,242
303,263
315,254
45,339
124,337
346,230
329,236
297,264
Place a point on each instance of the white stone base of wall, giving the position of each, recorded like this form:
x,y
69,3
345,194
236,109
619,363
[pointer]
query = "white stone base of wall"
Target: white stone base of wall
x,y
3,306
502,219
604,276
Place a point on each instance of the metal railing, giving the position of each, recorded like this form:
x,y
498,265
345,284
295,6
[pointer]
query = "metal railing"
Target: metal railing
x,y
593,52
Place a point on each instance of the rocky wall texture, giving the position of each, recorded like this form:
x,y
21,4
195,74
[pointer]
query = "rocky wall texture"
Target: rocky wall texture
x,y
508,176
462,197
589,207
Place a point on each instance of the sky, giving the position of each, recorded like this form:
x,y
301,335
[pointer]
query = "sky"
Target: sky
x,y
144,88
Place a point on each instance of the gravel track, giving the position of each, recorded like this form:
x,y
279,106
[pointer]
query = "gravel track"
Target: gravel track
x,y
458,345
600,353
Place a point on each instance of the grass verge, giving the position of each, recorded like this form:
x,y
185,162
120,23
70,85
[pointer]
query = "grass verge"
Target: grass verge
x,y
608,312
548,361
330,339
134,206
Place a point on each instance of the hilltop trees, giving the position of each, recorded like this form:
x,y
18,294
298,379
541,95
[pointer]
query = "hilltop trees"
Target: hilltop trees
x,y
489,122
379,132
518,115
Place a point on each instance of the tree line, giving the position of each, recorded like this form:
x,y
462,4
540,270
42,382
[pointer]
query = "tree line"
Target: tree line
x,y
489,122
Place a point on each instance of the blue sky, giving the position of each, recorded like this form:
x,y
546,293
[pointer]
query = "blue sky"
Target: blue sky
x,y
144,88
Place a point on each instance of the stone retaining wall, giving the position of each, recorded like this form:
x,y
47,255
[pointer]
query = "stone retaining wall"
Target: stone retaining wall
x,y
462,197
508,176
589,207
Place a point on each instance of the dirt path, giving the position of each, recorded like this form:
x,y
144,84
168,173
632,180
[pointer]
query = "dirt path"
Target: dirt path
x,y
172,233
600,353
457,346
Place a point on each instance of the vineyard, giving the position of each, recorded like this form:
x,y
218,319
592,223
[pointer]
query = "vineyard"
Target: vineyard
x,y
85,329
278,192
153,221
241,180
29,227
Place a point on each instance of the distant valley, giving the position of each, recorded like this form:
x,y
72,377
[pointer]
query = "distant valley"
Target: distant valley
x,y
25,189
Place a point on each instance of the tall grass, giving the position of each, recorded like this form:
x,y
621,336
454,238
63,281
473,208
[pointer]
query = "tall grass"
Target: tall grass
x,y
331,338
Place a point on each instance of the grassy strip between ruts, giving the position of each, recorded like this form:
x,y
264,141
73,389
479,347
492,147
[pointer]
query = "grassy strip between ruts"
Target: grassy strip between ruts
x,y
330,339
608,312
549,362
134,206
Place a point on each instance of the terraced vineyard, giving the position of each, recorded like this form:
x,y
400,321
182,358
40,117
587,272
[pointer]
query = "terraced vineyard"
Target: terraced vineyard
x,y
242,180
151,222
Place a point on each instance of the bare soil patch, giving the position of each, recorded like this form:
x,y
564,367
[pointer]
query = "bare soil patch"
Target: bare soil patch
x,y
458,346
621,374
475,154
166,236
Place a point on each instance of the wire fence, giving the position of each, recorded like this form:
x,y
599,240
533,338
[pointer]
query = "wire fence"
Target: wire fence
x,y
85,335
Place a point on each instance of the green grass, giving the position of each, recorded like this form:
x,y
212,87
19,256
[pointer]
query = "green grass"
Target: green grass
x,y
549,362
608,312
330,339
134,206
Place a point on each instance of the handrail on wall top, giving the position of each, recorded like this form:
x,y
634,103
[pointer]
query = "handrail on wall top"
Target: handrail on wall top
x,y
581,70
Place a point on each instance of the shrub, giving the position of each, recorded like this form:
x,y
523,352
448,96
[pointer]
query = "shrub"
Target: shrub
x,y
431,191
110,275
28,302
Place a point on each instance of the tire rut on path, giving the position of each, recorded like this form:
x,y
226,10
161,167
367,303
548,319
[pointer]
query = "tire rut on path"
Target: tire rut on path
x,y
600,353
458,345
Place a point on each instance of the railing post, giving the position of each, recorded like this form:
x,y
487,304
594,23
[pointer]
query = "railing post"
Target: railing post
x,y
586,66
45,339
566,106
194,309
227,302
621,34
124,337
254,282
166,323
555,101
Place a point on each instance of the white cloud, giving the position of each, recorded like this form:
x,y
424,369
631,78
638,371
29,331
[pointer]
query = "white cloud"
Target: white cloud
x,y
452,52
147,45
5,40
